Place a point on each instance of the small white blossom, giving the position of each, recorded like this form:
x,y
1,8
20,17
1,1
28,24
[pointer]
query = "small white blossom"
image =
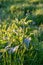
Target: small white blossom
x,y
7,47
13,49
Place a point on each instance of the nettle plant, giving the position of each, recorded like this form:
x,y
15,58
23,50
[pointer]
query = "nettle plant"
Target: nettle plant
x,y
22,42
12,35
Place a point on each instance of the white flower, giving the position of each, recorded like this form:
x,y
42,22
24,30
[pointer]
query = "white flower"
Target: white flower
x,y
7,47
13,49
